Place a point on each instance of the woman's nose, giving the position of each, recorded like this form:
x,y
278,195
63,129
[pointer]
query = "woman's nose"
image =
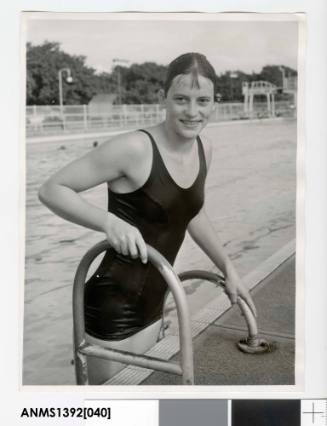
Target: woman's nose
x,y
191,109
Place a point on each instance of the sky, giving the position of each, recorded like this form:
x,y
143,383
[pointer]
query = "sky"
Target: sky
x,y
229,44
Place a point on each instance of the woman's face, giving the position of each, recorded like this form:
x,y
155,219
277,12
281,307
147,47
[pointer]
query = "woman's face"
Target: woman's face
x,y
189,105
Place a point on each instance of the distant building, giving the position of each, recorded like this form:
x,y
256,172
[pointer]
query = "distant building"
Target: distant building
x,y
102,103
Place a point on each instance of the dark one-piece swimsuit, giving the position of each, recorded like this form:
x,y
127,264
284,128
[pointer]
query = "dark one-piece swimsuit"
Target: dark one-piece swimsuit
x,y
124,295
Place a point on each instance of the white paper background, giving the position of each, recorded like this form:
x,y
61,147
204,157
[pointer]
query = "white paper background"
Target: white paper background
x,y
11,224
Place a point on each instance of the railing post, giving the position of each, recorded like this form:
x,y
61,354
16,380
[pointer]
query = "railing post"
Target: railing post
x,y
63,120
141,115
125,114
85,117
157,119
35,119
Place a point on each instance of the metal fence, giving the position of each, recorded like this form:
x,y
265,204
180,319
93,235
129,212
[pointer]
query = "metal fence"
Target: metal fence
x,y
51,119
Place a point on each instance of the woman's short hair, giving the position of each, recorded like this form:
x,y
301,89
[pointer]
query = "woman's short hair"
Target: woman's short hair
x,y
191,63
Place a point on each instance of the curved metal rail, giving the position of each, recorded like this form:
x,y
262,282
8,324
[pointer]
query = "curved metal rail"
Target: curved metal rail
x,y
252,344
83,349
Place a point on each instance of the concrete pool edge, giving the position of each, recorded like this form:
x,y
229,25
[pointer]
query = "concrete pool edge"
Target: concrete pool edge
x,y
169,346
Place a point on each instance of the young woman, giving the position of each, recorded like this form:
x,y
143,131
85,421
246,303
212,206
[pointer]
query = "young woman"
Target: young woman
x,y
156,181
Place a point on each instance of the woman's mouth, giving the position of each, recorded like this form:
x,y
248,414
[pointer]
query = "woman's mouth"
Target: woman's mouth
x,y
191,123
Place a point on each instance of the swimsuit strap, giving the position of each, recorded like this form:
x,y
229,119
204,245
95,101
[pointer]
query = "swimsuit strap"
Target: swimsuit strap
x,y
202,156
158,163
156,153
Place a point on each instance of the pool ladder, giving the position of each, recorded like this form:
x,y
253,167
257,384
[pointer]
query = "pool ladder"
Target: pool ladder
x,y
82,349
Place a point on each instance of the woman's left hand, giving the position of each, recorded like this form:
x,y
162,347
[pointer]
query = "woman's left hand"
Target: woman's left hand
x,y
234,288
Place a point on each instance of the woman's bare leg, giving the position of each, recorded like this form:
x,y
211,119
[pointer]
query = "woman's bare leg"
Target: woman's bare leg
x,y
101,370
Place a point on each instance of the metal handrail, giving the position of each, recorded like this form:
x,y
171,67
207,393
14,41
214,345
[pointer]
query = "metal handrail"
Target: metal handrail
x,y
253,344
82,348
219,280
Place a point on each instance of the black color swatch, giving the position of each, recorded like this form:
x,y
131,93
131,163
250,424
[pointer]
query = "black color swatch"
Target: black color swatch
x,y
266,413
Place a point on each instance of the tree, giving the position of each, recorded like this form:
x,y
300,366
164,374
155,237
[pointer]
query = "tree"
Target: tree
x,y
43,64
140,83
273,74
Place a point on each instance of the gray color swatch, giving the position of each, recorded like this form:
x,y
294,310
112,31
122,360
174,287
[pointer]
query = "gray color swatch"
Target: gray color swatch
x,y
193,412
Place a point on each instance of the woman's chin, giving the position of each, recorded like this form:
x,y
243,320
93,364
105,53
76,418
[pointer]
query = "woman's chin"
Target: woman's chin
x,y
190,130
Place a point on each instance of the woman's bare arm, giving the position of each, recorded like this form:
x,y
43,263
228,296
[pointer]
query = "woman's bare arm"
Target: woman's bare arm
x,y
60,193
108,163
204,234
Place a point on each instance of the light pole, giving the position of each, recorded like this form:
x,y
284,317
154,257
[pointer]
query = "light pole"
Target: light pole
x,y
69,79
120,62
282,70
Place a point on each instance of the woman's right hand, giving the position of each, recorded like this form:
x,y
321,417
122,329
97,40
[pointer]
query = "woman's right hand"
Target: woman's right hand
x,y
125,238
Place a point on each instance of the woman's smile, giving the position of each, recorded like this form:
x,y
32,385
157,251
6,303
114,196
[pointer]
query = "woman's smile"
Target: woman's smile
x,y
191,123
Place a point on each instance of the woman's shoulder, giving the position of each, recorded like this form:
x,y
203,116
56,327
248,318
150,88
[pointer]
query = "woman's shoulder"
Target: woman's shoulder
x,y
130,145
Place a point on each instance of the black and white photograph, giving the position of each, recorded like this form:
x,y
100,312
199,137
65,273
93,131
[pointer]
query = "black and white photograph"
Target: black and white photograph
x,y
161,223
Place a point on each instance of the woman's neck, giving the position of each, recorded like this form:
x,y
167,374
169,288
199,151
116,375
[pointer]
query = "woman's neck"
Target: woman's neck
x,y
174,142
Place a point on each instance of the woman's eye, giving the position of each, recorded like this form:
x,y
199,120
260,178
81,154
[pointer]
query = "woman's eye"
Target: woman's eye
x,y
180,100
204,101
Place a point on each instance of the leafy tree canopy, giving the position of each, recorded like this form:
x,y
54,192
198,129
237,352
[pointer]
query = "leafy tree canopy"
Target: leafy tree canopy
x,y
136,84
43,65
